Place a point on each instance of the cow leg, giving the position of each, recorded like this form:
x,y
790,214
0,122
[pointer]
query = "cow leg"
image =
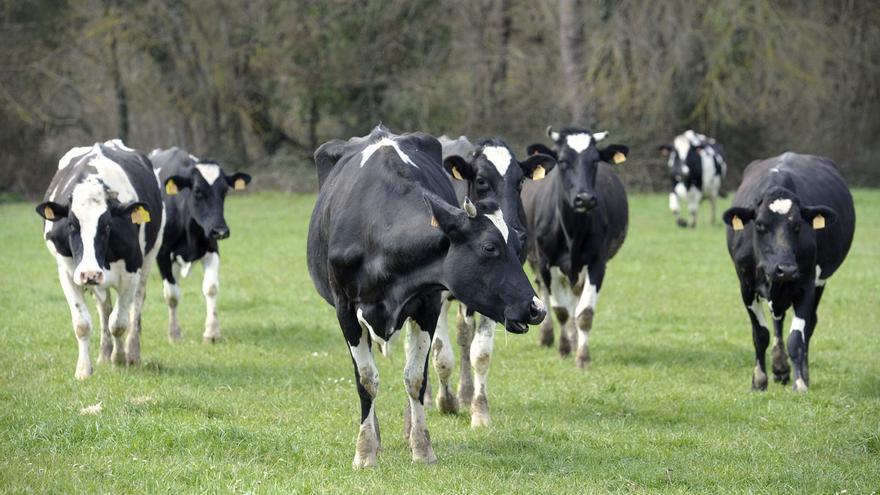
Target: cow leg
x,y
808,331
562,301
694,196
82,322
675,208
584,311
444,361
781,369
120,318
105,306
465,325
760,338
797,340
170,272
415,375
481,356
366,377
211,290
545,334
713,200
133,341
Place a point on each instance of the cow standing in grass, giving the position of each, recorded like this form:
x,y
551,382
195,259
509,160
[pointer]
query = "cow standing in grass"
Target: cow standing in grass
x,y
195,193
103,223
789,230
385,240
488,170
577,221
697,167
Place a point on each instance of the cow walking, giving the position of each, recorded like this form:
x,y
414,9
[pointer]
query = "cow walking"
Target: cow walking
x,y
696,167
194,195
103,220
790,228
385,239
577,221
488,170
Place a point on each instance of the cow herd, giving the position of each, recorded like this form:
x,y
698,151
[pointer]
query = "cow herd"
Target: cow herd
x,y
405,226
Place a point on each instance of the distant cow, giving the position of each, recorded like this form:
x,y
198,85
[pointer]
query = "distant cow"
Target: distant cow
x,y
789,230
195,192
103,222
488,170
577,221
385,239
697,167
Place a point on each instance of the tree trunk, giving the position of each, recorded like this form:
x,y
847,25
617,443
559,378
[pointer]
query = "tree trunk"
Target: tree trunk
x,y
121,94
571,50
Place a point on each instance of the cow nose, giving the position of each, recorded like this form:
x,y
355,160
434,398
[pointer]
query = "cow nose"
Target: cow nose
x,y
786,271
220,233
584,201
91,278
537,311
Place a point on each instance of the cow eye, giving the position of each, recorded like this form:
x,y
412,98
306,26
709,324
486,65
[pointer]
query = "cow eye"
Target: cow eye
x,y
490,249
482,183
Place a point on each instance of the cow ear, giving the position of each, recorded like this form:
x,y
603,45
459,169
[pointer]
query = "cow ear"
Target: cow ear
x,y
449,219
614,153
819,216
175,183
536,166
738,216
138,211
664,149
238,181
538,148
326,157
51,211
459,168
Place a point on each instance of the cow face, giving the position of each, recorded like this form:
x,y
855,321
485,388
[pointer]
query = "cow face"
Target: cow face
x,y
578,160
682,158
782,230
493,173
481,267
93,220
204,190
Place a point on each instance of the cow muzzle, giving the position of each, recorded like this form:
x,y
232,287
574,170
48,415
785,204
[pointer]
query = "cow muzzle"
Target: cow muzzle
x,y
518,320
90,277
785,272
218,233
584,202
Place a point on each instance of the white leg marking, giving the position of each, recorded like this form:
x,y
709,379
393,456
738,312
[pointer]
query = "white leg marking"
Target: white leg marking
x,y
120,318
820,282
673,202
481,357
368,437
105,306
797,325
561,295
444,360
172,299
418,346
693,197
211,290
757,309
82,324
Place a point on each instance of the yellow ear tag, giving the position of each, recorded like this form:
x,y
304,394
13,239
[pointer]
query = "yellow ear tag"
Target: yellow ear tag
x,y
456,174
736,223
619,158
49,213
239,184
818,222
140,216
538,173
434,222
170,188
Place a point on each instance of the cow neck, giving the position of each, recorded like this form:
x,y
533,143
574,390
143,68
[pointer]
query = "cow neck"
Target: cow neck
x,y
417,283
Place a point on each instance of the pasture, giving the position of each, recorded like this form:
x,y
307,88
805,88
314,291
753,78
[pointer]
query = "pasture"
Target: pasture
x,y
665,407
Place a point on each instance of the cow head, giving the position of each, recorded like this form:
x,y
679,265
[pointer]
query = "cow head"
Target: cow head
x,y
494,173
93,218
683,156
481,268
204,190
782,229
578,160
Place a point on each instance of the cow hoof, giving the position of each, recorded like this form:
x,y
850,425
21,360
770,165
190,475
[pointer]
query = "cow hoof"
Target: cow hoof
x,y
366,462
118,358
133,360
82,372
781,378
447,403
759,379
800,386
583,360
564,348
211,339
545,338
174,337
424,454
480,412
681,222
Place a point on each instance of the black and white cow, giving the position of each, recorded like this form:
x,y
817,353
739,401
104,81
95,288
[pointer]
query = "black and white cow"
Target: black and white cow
x,y
385,240
696,167
789,230
103,220
577,221
195,193
488,170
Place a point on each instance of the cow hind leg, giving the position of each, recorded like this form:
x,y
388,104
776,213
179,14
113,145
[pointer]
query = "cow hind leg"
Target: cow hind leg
x,y
808,331
465,324
82,324
797,341
171,290
105,306
760,339
415,375
133,341
481,356
781,369
211,291
585,310
444,361
120,318
367,380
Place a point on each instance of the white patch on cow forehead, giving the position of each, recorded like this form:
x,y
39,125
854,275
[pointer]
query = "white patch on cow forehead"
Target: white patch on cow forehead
x,y
499,156
578,142
780,206
369,150
209,171
682,144
497,218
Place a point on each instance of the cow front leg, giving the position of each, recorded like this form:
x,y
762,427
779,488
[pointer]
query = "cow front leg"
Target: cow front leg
x,y
713,200
82,323
481,356
585,310
105,306
415,375
760,339
797,342
211,290
367,381
444,361
781,369
465,324
811,326
694,196
120,317
170,272
133,341
545,334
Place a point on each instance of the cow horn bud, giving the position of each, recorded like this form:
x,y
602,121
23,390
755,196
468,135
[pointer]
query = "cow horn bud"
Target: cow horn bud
x,y
469,208
553,135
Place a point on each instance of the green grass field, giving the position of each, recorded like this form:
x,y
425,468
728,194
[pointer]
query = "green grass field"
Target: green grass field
x,y
666,406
